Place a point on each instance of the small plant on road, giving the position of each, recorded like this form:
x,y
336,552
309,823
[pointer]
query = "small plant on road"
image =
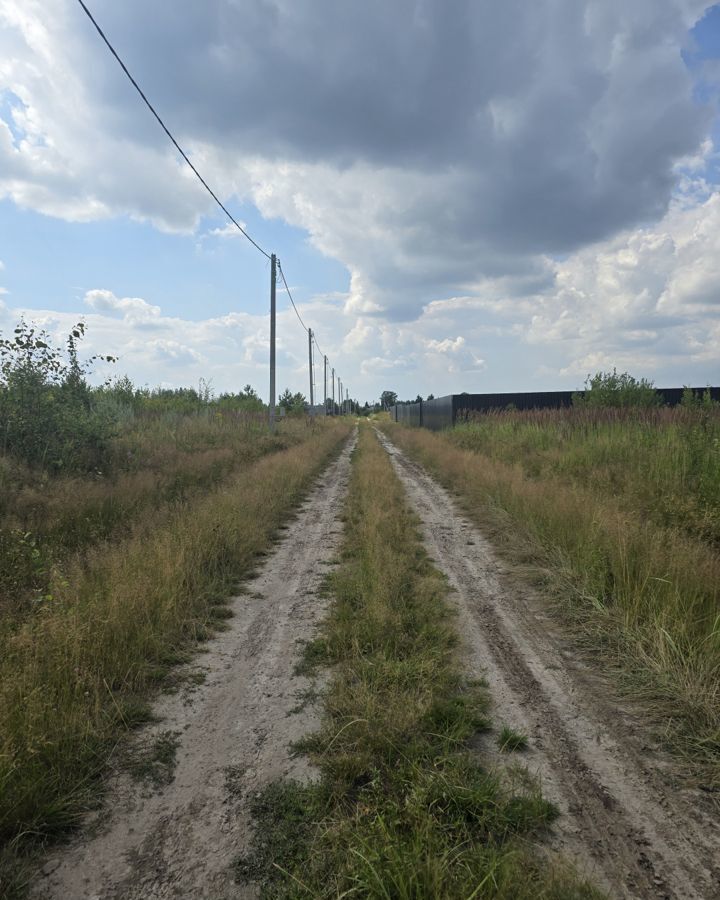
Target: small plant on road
x,y
509,740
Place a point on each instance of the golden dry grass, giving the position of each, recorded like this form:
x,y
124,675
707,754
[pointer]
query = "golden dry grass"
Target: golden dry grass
x,y
74,672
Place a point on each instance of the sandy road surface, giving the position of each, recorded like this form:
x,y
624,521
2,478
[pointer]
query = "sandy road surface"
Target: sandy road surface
x,y
625,822
181,841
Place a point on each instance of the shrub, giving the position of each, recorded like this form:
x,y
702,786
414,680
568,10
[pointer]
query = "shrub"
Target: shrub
x,y
293,404
47,418
612,389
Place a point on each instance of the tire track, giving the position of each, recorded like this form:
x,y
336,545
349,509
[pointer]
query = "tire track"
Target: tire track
x,y
235,728
618,825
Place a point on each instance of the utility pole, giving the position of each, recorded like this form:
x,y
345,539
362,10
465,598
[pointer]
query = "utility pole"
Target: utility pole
x,y
347,402
310,365
333,391
273,277
340,396
325,387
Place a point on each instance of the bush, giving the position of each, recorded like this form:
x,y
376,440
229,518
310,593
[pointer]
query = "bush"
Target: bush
x,y
610,389
47,417
130,400
293,404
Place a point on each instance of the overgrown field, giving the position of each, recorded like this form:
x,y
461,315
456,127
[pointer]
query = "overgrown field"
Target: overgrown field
x,y
402,809
109,576
620,511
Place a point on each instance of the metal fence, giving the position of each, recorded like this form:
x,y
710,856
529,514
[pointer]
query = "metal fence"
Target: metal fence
x,y
443,412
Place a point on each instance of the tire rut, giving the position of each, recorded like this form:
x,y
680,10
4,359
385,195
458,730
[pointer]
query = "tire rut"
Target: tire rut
x,y
180,841
617,823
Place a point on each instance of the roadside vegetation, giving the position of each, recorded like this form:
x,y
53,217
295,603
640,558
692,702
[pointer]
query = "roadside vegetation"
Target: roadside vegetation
x,y
402,807
617,507
119,546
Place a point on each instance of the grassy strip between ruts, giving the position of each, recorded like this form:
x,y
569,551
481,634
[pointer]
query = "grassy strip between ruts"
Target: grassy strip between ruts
x,y
402,807
74,676
648,595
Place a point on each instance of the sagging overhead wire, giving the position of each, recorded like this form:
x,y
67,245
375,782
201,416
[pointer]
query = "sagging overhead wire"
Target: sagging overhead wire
x,y
282,275
197,174
168,133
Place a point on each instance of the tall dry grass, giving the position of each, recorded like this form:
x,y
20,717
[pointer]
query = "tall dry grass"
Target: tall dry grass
x,y
659,462
645,591
74,673
156,463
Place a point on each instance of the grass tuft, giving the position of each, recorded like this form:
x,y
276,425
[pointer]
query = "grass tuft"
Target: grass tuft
x,y
155,764
509,741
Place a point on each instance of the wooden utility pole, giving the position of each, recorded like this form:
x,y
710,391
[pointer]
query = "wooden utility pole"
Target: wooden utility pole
x,y
347,402
273,278
310,366
333,391
340,397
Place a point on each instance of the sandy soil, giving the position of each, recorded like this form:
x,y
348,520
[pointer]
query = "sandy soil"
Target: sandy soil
x,y
627,820
180,841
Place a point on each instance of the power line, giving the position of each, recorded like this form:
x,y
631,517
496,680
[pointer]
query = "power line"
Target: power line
x,y
197,173
167,132
318,345
282,275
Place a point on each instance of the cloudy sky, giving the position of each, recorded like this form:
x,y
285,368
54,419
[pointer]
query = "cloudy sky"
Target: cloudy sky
x,y
464,196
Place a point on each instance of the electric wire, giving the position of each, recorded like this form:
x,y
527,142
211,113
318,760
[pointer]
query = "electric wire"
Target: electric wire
x,y
282,275
317,345
168,133
200,178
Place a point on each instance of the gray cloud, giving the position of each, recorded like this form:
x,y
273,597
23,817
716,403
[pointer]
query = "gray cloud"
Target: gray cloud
x,y
551,124
437,150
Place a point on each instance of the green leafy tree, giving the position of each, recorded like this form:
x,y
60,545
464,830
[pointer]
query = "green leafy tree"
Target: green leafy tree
x,y
613,389
693,400
47,415
388,399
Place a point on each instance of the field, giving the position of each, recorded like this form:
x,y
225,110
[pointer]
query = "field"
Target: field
x,y
110,577
617,511
317,663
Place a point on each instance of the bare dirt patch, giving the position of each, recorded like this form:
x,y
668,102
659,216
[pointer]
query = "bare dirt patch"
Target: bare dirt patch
x,y
628,821
156,840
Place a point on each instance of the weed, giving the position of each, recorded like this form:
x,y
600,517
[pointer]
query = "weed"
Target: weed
x,y
155,764
509,740
305,698
234,776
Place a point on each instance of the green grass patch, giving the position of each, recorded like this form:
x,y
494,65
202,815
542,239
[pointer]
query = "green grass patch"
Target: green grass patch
x,y
154,764
509,741
402,807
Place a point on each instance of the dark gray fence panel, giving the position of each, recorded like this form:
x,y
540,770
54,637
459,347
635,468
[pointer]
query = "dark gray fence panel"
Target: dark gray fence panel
x,y
673,396
408,413
438,413
443,412
468,403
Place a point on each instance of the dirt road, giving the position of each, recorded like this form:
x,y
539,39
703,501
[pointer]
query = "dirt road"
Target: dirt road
x,y
624,822
180,840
